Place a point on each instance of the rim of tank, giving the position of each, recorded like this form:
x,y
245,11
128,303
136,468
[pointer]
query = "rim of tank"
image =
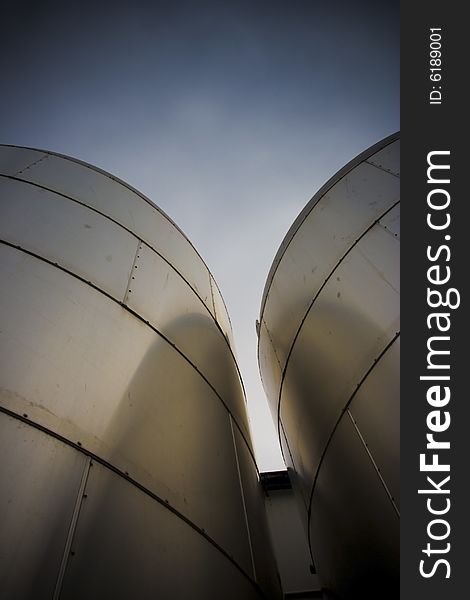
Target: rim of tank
x,y
135,191
361,157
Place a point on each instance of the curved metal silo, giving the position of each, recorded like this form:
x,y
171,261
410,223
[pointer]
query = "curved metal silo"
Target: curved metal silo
x,y
127,466
329,360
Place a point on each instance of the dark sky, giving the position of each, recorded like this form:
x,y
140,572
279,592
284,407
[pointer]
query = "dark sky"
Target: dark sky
x,y
228,114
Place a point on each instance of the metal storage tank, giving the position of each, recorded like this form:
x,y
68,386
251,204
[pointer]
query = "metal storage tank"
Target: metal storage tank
x,y
329,360
127,466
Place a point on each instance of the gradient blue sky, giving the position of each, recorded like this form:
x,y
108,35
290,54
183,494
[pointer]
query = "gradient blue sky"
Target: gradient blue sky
x,y
228,114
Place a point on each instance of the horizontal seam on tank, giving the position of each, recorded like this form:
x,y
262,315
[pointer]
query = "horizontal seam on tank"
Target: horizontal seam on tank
x,y
382,169
343,411
325,188
129,187
133,482
141,319
327,279
108,176
109,218
119,181
374,464
71,529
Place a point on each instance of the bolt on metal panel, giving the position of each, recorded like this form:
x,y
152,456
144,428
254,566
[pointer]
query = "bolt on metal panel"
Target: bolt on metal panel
x,y
388,158
391,222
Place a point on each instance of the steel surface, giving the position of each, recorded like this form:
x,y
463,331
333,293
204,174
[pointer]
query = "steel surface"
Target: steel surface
x,y
114,199
40,479
128,546
353,528
127,446
329,360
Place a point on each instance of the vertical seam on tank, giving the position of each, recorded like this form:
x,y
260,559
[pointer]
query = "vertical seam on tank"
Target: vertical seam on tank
x,y
330,437
212,296
133,267
35,162
272,345
376,467
125,476
243,498
72,528
223,301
